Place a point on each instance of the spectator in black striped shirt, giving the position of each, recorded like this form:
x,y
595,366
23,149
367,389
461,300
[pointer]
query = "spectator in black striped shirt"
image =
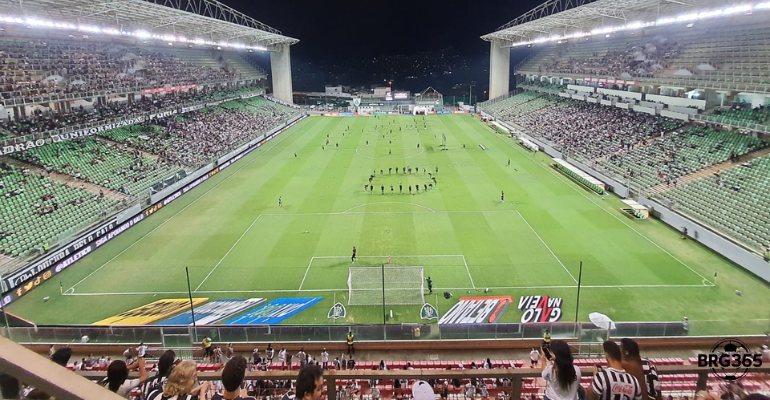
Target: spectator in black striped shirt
x,y
182,384
165,364
613,383
232,380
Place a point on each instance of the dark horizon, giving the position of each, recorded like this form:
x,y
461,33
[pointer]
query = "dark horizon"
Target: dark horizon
x,y
342,31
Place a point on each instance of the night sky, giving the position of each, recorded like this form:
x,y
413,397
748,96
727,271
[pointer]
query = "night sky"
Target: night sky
x,y
333,30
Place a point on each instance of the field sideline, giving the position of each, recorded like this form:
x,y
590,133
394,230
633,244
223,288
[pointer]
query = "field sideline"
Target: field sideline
x,y
237,242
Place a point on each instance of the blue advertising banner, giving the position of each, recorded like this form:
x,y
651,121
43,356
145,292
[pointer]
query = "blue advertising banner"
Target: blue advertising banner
x,y
213,311
275,311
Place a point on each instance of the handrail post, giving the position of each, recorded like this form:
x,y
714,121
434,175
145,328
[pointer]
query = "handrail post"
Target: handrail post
x,y
331,388
516,388
703,378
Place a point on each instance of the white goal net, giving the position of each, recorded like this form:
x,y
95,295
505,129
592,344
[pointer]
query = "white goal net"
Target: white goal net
x,y
403,286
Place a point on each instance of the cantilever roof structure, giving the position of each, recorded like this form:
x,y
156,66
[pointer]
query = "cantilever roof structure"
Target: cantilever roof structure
x,y
204,20
564,17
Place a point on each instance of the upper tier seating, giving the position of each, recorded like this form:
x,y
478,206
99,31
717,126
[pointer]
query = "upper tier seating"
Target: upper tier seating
x,y
737,203
40,69
37,210
691,149
102,163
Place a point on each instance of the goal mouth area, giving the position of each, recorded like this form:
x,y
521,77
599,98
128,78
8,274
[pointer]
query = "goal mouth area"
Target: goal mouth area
x,y
391,285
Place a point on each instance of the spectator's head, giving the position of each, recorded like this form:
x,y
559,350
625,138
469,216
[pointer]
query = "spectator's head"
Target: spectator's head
x,y
117,373
310,383
612,352
166,362
182,379
630,350
9,386
233,374
62,356
562,361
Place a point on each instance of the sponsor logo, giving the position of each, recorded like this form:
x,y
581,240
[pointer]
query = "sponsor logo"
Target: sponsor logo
x,y
212,312
337,311
476,310
730,359
149,313
275,311
540,309
428,312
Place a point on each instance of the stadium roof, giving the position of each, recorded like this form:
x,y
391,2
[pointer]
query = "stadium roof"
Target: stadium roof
x,y
564,17
205,20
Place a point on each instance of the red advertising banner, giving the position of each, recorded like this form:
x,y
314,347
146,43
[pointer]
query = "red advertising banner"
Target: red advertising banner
x,y
168,89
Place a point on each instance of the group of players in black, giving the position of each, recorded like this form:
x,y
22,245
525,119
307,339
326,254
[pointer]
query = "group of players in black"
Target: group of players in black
x,y
426,186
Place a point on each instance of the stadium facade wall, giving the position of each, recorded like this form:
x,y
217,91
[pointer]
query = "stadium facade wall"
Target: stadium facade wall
x,y
675,115
611,184
646,110
20,282
580,88
677,101
621,93
683,110
735,253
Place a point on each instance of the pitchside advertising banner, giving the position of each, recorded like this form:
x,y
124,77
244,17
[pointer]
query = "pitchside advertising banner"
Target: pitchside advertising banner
x,y
489,309
212,312
275,311
152,312
21,282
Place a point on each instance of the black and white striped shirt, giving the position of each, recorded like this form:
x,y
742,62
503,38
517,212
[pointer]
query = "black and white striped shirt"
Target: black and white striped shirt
x,y
158,395
157,382
614,384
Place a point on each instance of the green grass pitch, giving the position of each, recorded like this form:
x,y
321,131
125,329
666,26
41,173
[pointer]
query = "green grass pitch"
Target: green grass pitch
x,y
238,242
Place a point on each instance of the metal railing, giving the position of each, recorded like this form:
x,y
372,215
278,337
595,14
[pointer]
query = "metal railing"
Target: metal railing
x,y
183,336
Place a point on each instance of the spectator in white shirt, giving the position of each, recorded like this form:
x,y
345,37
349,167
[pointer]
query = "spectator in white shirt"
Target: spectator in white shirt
x,y
534,357
561,376
141,350
325,359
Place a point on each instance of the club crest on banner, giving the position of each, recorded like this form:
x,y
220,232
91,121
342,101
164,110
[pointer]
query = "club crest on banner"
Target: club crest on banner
x,y
428,312
337,311
356,101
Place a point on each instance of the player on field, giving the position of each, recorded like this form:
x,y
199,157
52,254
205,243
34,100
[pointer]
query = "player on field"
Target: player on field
x,y
382,187
410,189
430,285
280,202
391,188
400,188
353,257
502,197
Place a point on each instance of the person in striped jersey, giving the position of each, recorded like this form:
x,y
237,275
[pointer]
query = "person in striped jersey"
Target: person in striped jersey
x,y
165,364
614,383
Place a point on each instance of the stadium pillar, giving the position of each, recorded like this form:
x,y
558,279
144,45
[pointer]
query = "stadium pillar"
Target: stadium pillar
x,y
499,69
280,65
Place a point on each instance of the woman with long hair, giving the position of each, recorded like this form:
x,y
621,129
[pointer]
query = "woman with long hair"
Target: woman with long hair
x,y
642,369
117,377
182,383
562,377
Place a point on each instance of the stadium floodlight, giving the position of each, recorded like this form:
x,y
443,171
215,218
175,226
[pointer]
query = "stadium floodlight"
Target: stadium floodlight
x,y
36,22
692,16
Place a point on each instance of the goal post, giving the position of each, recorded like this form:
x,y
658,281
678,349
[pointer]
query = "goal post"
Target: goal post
x,y
403,286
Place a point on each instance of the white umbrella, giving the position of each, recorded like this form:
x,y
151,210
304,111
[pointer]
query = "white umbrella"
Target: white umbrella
x,y
601,320
421,390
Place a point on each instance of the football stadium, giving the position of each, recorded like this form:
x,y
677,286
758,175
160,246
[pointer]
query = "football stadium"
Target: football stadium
x,y
161,191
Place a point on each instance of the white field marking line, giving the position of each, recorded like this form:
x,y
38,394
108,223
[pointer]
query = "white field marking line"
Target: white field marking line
x,y
377,158
572,186
402,256
546,246
387,212
469,272
178,212
228,253
389,202
306,271
345,289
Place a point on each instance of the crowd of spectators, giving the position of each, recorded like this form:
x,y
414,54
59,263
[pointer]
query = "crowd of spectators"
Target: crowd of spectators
x,y
41,68
199,137
590,130
643,60
622,373
45,119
